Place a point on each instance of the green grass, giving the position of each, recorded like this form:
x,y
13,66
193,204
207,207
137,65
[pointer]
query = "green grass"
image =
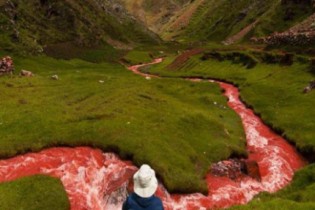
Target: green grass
x,y
137,56
171,124
33,193
298,195
71,51
274,91
86,23
278,19
218,20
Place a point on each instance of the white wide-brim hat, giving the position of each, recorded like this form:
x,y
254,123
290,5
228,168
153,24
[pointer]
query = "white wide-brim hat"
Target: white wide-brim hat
x,y
145,182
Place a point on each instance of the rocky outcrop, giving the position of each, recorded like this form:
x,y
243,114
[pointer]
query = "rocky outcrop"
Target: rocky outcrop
x,y
235,169
301,34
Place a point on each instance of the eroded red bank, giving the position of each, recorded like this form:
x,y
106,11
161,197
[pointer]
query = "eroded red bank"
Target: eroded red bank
x,y
98,181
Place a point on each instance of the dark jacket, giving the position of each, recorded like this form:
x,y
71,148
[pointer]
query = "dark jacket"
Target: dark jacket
x,y
135,202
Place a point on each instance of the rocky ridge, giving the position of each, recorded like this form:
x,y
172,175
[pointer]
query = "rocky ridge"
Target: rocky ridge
x,y
299,35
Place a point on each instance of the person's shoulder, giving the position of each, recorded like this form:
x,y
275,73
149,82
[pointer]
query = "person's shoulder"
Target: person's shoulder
x,y
157,200
158,203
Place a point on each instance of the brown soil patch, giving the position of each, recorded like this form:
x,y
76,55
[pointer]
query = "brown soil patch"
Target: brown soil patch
x,y
184,57
241,34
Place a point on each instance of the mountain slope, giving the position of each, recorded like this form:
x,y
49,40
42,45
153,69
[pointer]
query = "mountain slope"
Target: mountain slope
x,y
218,20
155,13
31,25
212,20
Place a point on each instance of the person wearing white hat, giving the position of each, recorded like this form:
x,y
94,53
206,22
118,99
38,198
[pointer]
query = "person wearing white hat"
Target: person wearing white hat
x,y
145,185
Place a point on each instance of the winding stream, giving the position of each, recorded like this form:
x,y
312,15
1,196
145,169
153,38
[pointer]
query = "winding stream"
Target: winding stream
x,y
98,181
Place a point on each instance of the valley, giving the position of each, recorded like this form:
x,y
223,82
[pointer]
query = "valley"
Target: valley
x,y
80,100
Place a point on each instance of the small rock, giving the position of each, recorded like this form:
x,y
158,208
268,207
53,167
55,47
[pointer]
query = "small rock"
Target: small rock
x,y
236,169
55,77
101,81
25,73
252,170
310,87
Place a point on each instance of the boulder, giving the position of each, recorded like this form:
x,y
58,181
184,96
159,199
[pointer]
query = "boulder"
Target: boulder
x,y
310,87
55,77
232,168
236,169
25,73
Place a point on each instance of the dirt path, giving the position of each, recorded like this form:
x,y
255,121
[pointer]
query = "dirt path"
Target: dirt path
x,y
237,37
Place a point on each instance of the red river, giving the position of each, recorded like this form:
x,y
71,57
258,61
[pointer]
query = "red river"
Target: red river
x,y
98,181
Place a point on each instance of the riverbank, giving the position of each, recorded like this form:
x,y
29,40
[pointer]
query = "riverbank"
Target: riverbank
x,y
105,106
274,91
262,145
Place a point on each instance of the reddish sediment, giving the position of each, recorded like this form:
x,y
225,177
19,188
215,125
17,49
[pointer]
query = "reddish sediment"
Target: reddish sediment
x,y
97,181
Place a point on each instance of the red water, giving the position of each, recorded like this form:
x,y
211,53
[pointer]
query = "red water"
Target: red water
x,y
97,181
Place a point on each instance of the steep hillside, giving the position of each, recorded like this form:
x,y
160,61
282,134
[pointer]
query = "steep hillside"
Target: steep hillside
x,y
219,20
300,35
155,13
36,25
225,20
32,25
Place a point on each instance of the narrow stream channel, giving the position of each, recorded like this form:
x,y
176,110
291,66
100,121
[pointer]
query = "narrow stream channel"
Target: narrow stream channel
x,y
98,181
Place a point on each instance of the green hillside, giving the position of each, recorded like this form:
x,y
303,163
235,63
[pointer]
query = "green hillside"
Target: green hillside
x,y
154,13
218,20
31,26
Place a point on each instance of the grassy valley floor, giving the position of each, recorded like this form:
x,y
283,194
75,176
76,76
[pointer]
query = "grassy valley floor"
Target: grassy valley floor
x,y
34,193
171,124
275,93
